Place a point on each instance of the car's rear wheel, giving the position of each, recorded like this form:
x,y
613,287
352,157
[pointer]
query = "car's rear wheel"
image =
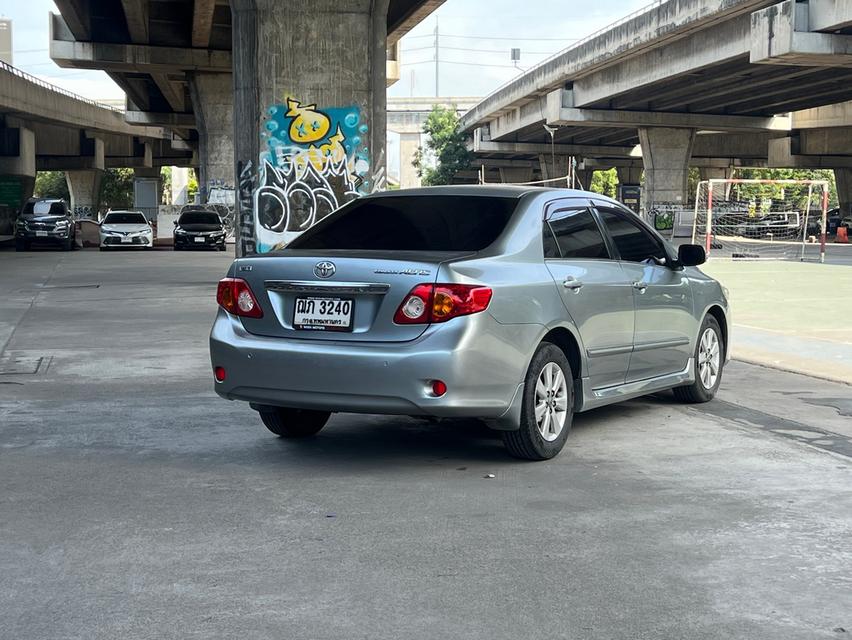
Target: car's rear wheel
x,y
548,407
293,423
709,360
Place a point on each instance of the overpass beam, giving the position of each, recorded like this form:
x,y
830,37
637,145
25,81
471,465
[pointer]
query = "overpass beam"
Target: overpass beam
x,y
84,185
309,121
213,102
665,155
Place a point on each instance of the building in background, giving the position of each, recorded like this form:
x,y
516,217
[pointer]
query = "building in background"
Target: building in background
x,y
6,40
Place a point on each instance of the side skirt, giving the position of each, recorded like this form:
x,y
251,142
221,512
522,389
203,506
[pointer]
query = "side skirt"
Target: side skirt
x,y
593,398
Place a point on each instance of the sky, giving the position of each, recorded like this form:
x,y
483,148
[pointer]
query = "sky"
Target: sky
x,y
474,47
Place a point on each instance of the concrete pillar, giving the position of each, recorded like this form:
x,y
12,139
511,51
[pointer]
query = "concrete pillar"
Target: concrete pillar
x,y
180,181
309,120
583,178
665,154
409,143
629,175
516,175
843,177
212,97
84,185
553,168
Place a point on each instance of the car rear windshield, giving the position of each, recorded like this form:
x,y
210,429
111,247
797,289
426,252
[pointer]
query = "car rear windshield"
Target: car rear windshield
x,y
125,218
199,217
412,223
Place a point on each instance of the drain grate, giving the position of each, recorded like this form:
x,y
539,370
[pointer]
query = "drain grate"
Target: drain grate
x,y
12,365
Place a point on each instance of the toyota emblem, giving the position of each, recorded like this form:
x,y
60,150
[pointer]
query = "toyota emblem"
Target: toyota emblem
x,y
324,269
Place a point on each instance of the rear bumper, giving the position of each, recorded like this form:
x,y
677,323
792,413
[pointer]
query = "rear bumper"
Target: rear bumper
x,y
482,362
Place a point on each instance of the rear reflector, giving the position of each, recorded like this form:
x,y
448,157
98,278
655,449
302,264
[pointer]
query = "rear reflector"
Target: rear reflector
x,y
427,303
219,372
439,388
235,296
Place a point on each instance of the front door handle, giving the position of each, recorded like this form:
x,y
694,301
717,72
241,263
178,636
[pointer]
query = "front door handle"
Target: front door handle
x,y
572,283
640,286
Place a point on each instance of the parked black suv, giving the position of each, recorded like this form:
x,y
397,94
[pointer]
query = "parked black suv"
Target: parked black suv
x,y
47,221
199,228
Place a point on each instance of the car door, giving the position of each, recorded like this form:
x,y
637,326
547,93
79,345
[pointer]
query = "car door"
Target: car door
x,y
594,288
664,326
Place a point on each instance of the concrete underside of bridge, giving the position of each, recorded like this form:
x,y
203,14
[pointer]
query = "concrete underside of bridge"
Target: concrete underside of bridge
x,y
283,101
696,82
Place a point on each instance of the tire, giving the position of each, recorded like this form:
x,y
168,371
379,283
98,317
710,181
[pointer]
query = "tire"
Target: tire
x,y
529,442
68,245
293,423
700,391
22,245
102,248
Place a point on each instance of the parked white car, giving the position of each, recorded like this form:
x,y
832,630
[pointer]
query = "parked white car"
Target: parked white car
x,y
125,229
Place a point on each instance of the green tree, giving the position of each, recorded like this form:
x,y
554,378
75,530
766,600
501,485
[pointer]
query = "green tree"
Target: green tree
x,y
51,184
446,144
192,186
166,178
605,183
117,188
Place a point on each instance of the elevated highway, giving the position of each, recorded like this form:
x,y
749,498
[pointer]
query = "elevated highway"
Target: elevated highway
x,y
680,79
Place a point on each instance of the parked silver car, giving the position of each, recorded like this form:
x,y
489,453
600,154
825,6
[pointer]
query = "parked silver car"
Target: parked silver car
x,y
518,306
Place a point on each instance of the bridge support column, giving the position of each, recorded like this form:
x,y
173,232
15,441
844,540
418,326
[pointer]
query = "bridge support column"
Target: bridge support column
x,y
843,177
409,143
583,178
17,173
629,175
309,121
212,97
553,168
665,153
515,175
84,185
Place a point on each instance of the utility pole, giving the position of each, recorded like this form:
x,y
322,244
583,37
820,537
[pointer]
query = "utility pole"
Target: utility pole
x,y
437,61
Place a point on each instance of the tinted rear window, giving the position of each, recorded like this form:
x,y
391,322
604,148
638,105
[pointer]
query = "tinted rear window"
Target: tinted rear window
x,y
125,218
199,217
412,223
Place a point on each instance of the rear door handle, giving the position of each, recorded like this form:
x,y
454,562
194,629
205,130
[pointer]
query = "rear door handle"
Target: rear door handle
x,y
572,283
641,286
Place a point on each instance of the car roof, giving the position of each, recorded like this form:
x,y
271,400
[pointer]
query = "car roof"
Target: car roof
x,y
45,200
485,190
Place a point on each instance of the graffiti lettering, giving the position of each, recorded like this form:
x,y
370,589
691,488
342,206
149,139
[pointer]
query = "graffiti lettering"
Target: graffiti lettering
x,y
312,162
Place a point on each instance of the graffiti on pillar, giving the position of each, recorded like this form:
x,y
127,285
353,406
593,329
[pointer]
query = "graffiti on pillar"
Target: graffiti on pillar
x,y
84,212
311,162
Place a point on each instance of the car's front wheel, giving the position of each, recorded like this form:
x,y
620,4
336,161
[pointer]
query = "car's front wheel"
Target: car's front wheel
x,y
548,407
22,245
293,423
709,359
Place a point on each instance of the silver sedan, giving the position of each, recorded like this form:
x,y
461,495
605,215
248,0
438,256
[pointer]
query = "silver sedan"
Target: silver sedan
x,y
517,306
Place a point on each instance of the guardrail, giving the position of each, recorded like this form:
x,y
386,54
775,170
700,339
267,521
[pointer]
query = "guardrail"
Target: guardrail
x,y
52,87
580,43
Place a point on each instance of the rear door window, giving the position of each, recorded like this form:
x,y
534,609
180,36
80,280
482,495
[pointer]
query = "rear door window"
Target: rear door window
x,y
578,235
412,223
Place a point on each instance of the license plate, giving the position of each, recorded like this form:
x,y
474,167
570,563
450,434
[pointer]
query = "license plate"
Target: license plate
x,y
127,240
323,314
41,234
197,239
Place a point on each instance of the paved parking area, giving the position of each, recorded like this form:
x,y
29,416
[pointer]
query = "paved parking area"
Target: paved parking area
x,y
134,503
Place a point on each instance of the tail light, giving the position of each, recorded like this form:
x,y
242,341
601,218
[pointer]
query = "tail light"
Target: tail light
x,y
427,303
235,296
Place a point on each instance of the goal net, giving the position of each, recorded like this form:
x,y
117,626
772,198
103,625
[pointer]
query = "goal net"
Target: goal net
x,y
762,219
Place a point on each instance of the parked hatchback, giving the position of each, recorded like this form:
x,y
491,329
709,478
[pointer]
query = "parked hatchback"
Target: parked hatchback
x,y
45,221
518,306
198,229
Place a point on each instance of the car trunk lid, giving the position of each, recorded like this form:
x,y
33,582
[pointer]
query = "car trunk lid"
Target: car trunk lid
x,y
285,283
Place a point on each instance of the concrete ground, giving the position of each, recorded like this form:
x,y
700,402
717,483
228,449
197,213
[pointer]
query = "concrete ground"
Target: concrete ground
x,y
135,503
792,315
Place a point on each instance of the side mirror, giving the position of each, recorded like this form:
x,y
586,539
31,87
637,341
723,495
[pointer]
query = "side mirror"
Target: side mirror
x,y
174,222
691,255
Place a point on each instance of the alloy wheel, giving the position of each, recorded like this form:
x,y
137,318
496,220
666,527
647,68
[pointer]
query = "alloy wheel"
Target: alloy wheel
x,y
709,358
551,401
